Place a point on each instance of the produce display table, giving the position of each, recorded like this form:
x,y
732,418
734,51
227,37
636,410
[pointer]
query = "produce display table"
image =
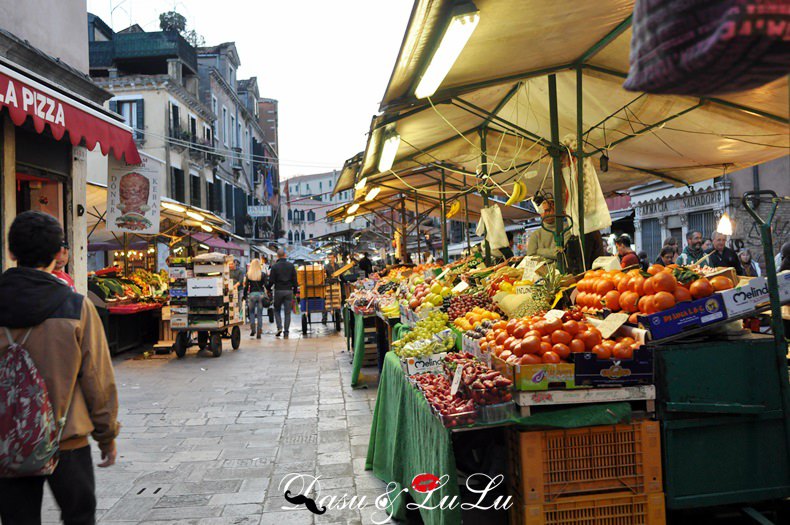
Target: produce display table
x,y
407,439
128,326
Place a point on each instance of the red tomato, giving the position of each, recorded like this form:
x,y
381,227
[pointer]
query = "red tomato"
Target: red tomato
x,y
531,344
561,350
577,346
550,357
572,327
602,352
530,359
561,336
623,351
544,347
551,326
520,331
590,338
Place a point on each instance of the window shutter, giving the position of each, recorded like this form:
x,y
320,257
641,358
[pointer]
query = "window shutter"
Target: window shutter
x,y
114,106
139,134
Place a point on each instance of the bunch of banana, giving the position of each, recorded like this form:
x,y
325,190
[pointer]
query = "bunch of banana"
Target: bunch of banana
x,y
519,193
454,208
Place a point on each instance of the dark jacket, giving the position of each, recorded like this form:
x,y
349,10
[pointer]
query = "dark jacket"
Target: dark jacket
x,y
727,258
283,276
366,265
69,348
251,286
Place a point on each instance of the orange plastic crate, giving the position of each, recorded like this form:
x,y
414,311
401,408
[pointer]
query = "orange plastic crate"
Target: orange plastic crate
x,y
546,466
609,509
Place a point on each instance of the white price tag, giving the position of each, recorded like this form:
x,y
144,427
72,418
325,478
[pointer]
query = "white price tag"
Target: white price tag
x,y
441,275
460,287
551,315
456,379
612,323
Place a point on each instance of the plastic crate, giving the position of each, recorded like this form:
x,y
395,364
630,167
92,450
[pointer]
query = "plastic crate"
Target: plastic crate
x,y
312,304
609,509
550,465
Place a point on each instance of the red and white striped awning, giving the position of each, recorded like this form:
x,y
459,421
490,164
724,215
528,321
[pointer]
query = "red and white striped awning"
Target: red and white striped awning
x,y
25,95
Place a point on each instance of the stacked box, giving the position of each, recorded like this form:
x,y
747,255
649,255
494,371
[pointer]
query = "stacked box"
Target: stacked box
x,y
312,277
212,298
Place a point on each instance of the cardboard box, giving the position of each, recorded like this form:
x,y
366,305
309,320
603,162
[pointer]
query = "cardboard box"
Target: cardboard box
x,y
179,321
536,377
784,285
746,297
418,365
684,316
205,286
218,269
591,371
179,273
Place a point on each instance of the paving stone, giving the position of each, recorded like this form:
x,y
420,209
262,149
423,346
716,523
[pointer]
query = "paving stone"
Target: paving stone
x,y
130,508
237,498
246,509
183,512
186,500
287,518
205,487
334,470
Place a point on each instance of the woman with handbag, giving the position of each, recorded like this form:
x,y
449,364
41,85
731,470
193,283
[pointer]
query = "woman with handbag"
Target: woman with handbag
x,y
256,295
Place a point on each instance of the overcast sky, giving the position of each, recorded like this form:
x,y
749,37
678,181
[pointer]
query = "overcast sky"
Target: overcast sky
x,y
327,62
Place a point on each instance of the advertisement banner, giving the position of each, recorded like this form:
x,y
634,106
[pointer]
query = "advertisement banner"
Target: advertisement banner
x,y
133,195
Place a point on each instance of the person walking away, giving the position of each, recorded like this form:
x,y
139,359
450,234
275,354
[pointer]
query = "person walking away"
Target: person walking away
x,y
365,264
282,279
722,255
255,293
627,255
61,260
62,334
329,268
693,251
750,268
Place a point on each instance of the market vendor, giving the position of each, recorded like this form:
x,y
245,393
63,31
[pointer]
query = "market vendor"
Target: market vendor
x,y
723,255
541,242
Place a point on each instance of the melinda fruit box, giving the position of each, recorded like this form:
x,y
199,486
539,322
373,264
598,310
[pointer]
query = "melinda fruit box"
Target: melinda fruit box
x,y
417,365
747,297
591,371
536,377
684,316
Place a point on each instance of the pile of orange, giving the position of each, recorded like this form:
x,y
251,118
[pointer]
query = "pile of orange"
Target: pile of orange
x,y
635,292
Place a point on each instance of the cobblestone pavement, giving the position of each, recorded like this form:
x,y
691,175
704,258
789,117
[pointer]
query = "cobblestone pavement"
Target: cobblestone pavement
x,y
207,441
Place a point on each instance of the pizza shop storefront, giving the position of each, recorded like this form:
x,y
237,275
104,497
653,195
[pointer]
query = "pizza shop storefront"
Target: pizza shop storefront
x,y
46,132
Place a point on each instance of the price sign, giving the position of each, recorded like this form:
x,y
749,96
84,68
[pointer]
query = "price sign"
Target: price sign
x,y
552,315
456,380
460,287
612,323
531,265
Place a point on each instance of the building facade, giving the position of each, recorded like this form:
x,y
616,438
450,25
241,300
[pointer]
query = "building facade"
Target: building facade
x,y
154,82
662,210
308,198
51,117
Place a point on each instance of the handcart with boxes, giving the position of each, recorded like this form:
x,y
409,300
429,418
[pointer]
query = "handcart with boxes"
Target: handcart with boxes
x,y
319,294
204,303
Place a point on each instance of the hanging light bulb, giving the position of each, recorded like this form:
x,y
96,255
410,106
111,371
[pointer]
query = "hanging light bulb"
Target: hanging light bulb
x,y
352,209
372,193
195,215
173,207
206,228
725,225
349,219
359,186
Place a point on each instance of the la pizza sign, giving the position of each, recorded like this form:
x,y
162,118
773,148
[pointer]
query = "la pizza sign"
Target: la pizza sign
x,y
33,102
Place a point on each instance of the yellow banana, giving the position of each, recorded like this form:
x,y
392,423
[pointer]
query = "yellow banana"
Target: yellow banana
x,y
454,208
519,191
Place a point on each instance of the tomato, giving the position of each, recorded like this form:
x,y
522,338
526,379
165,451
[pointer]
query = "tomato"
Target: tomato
x,y
663,301
498,350
550,357
701,288
648,286
561,350
571,326
521,330
577,346
501,338
531,344
682,295
552,325
602,352
509,343
530,359
627,340
633,319
499,325
518,349
540,326
504,355
721,283
629,301
590,338
655,268
608,344
612,300
664,282
623,351
533,332
511,326
561,336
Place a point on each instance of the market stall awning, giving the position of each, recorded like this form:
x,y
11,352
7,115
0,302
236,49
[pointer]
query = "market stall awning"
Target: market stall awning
x,y
492,109
26,94
217,243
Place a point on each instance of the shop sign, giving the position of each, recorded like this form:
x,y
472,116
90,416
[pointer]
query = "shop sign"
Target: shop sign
x,y
133,196
259,211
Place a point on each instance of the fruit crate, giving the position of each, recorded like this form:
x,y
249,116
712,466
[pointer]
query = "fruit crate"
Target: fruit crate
x,y
550,465
608,509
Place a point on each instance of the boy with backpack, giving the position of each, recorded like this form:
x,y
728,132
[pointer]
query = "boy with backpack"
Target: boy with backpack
x,y
56,379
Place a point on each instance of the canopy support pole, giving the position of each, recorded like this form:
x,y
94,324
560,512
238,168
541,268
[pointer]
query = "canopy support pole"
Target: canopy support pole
x,y
466,221
403,243
484,191
556,152
580,161
417,226
443,220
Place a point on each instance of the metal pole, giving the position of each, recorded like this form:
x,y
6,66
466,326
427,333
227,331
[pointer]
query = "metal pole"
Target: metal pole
x,y
555,151
444,219
580,163
404,249
417,226
466,220
484,193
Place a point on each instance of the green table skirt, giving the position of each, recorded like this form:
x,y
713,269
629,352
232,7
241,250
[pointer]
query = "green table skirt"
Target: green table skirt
x,y
359,347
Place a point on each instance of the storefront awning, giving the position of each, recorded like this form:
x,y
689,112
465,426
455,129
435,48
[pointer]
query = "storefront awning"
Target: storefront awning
x,y
25,94
218,244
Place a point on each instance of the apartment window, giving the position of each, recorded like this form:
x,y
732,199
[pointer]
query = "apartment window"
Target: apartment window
x,y
217,197
238,136
214,106
702,221
192,127
177,187
290,236
229,201
311,216
290,215
311,235
132,113
175,119
194,194
225,125
307,189
209,196
232,131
